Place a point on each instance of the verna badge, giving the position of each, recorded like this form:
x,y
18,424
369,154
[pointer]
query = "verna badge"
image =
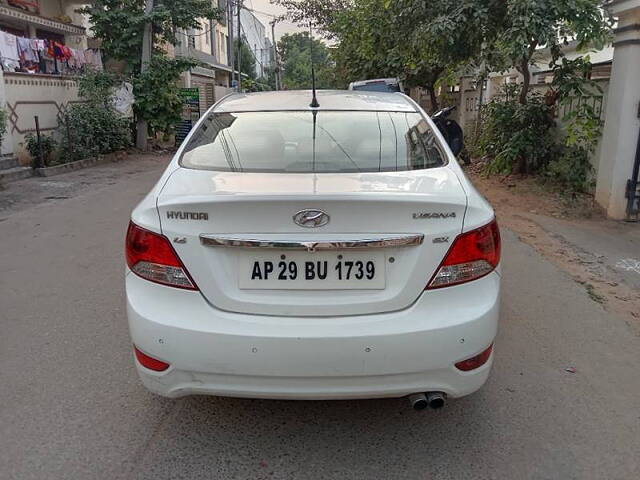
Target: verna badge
x,y
423,215
310,218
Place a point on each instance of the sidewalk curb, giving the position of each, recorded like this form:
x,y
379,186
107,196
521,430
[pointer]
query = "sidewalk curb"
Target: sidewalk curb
x,y
77,165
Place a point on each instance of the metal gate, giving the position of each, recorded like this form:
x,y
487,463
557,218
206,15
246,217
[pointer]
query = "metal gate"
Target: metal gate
x,y
633,186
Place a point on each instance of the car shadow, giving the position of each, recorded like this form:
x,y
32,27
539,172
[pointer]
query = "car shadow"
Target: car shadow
x,y
247,438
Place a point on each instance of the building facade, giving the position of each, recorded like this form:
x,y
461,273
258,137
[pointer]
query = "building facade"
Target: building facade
x,y
255,35
210,45
39,80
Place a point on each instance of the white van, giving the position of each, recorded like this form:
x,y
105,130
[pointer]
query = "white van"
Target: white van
x,y
378,85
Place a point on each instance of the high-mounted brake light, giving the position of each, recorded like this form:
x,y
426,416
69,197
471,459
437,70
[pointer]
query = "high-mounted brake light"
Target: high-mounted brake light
x,y
152,257
473,255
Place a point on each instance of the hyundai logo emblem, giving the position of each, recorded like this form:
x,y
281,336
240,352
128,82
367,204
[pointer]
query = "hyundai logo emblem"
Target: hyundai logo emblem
x,y
310,218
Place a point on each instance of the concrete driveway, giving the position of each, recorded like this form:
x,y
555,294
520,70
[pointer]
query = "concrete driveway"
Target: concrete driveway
x,y
71,406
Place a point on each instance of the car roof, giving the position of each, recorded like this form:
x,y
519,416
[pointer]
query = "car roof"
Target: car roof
x,y
328,100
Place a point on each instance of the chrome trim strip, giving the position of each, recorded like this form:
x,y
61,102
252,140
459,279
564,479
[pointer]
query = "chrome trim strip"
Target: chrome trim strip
x,y
386,241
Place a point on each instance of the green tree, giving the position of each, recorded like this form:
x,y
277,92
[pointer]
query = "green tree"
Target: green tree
x,y
529,24
414,40
295,52
157,92
247,59
120,26
420,41
444,37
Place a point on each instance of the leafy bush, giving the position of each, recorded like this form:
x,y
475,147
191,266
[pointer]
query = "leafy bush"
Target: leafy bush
x,y
573,167
525,139
93,127
571,79
48,147
88,129
472,136
517,138
96,87
3,124
156,90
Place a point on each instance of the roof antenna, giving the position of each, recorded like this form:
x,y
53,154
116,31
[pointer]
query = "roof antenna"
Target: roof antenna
x,y
314,101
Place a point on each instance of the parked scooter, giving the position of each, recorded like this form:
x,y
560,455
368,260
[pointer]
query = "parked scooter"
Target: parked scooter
x,y
452,133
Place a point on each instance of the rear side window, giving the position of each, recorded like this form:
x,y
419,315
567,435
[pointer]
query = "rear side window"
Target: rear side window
x,y
296,142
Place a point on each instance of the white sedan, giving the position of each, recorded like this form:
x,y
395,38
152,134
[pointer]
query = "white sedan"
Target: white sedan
x,y
326,252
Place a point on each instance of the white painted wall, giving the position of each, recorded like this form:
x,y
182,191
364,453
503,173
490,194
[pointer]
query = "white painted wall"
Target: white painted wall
x,y
543,56
29,95
222,91
7,139
622,125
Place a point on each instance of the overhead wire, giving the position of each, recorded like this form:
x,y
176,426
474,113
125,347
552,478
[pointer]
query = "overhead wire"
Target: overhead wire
x,y
277,17
207,31
262,67
249,47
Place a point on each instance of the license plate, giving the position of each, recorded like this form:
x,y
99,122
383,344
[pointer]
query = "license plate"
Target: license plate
x,y
312,271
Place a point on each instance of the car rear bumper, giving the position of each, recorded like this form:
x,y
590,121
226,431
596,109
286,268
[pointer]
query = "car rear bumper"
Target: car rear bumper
x,y
384,355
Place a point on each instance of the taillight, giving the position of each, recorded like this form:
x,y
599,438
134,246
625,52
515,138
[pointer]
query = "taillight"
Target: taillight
x,y
150,362
152,257
473,255
476,361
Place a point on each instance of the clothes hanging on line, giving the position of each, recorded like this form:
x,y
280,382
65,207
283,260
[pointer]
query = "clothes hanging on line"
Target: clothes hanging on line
x,y
35,55
38,45
9,51
94,58
26,53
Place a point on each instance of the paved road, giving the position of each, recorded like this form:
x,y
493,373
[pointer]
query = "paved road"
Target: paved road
x,y
71,406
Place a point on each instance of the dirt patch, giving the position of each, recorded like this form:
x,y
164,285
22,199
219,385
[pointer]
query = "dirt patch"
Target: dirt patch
x,y
517,201
532,196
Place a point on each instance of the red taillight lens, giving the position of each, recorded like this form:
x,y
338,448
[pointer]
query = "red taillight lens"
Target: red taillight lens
x,y
476,361
152,257
472,255
149,362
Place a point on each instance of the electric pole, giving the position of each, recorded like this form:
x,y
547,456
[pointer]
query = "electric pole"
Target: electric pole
x,y
213,40
275,53
239,49
142,129
230,49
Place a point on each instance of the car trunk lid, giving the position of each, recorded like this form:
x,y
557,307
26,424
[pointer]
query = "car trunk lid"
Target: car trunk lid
x,y
225,225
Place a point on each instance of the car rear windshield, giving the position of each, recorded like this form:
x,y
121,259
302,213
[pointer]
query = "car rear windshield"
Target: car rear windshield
x,y
320,142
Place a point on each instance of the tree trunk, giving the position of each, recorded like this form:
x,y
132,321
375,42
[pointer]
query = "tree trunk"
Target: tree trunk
x,y
433,97
142,127
524,70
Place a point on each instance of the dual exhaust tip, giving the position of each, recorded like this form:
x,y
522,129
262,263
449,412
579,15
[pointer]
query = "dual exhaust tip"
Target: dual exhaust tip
x,y
420,401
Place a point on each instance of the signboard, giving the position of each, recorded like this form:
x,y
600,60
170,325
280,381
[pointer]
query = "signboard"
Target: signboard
x,y
190,112
31,6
